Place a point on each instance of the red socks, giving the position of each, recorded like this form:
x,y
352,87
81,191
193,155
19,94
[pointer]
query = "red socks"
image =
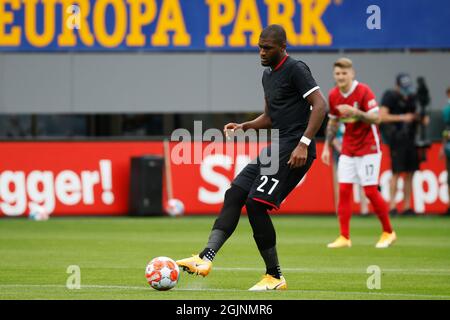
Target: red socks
x,y
380,206
345,208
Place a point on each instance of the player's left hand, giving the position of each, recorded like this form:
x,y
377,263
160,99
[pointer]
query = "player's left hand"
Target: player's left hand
x,y
346,110
298,156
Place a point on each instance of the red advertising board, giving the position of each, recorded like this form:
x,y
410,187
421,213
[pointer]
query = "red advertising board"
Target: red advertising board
x,y
68,178
93,178
206,182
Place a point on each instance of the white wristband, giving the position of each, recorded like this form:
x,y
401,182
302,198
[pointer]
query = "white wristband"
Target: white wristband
x,y
305,140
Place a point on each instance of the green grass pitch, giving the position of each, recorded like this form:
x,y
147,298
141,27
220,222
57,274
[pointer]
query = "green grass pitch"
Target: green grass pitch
x,y
112,254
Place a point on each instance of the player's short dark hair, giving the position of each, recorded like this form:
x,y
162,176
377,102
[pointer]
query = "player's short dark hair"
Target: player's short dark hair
x,y
448,91
276,32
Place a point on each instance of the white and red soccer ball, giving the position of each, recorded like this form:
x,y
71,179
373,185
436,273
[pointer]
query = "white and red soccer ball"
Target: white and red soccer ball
x,y
162,273
38,213
174,207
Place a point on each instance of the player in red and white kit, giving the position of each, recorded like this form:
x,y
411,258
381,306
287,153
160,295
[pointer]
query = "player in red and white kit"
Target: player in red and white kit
x,y
355,105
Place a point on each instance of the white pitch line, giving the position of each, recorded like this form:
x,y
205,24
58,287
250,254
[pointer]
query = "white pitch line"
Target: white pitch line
x,y
412,295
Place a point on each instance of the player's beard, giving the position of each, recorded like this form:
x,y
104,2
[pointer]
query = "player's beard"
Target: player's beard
x,y
273,62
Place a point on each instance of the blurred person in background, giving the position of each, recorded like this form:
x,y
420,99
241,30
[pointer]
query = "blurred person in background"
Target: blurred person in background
x,y
400,119
354,104
445,150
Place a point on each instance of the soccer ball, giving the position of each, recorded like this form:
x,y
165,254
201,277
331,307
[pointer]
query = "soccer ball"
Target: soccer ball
x,y
175,207
38,213
162,273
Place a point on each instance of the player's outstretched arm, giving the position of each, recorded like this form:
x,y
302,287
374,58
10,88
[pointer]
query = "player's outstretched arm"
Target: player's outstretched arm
x,y
319,106
261,122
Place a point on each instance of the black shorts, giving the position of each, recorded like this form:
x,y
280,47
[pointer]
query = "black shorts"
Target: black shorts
x,y
273,188
404,157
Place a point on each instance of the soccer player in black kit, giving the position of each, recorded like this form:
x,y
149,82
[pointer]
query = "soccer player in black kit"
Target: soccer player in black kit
x,y
295,106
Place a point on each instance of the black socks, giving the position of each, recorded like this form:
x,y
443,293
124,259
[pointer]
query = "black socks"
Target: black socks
x,y
208,253
274,272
